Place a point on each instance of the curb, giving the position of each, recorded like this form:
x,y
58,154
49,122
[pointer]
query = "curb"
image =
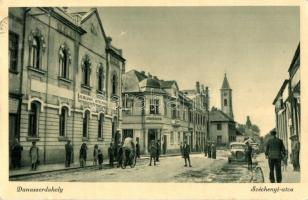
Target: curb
x,y
78,167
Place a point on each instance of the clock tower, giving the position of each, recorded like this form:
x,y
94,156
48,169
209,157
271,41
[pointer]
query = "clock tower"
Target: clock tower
x,y
226,98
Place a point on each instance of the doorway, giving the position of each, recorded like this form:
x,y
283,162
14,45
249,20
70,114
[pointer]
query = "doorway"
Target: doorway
x,y
165,142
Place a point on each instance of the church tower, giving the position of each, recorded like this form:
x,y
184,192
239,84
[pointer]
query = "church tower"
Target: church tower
x,y
226,98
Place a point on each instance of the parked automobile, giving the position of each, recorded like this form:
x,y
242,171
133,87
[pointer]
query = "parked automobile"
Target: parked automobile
x,y
237,152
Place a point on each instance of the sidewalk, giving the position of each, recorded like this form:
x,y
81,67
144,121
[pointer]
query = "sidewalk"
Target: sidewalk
x,y
288,175
61,166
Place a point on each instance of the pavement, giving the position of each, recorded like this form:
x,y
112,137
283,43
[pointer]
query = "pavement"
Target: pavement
x,y
169,169
45,168
288,175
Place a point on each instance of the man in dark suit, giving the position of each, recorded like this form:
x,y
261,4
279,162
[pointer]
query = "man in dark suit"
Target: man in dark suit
x,y
275,151
186,152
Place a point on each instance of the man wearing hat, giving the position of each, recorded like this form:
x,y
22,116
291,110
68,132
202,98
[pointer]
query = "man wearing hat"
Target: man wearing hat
x,y
275,152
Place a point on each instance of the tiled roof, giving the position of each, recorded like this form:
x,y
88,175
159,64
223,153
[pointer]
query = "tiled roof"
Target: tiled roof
x,y
218,115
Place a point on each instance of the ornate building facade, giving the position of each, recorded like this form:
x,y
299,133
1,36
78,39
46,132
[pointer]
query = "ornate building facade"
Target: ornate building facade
x,y
65,82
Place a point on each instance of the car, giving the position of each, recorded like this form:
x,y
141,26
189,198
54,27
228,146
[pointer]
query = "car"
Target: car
x,y
237,152
255,147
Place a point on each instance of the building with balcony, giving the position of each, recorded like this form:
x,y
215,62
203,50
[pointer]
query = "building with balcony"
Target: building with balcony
x,y
155,109
65,82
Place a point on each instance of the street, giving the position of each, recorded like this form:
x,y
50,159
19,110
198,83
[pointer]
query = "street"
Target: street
x,y
169,169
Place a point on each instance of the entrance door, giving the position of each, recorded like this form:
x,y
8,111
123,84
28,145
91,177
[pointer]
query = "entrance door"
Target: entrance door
x,y
13,134
152,133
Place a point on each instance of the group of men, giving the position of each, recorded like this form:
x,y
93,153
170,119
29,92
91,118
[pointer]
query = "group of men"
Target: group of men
x,y
210,150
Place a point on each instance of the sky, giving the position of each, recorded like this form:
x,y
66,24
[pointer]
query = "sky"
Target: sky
x,y
254,46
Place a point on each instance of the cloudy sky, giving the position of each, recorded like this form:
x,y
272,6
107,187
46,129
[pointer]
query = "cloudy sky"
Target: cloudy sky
x,y
253,45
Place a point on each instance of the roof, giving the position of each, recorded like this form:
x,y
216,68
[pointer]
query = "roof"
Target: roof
x,y
192,91
150,83
168,84
296,54
282,88
225,84
219,116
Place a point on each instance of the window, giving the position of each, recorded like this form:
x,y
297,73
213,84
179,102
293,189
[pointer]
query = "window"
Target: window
x,y
35,53
86,120
13,51
225,102
100,81
36,48
100,126
114,84
128,133
219,127
62,123
154,106
179,137
86,71
34,119
64,61
174,111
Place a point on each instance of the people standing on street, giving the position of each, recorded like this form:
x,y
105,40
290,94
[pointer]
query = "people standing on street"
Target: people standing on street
x,y
83,155
158,147
16,150
100,158
137,149
111,154
209,150
186,152
295,154
275,151
95,155
205,149
181,149
34,156
119,155
213,150
153,152
248,152
68,153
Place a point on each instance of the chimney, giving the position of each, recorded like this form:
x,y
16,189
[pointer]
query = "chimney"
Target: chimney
x,y
198,87
109,39
202,89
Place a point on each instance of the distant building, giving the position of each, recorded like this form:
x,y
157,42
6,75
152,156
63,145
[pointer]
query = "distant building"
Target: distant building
x,y
65,82
226,98
199,115
222,128
155,109
222,125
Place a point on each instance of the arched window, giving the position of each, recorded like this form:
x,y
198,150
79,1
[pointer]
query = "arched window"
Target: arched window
x,y
37,47
86,120
100,126
34,119
35,52
64,61
114,84
100,78
225,102
86,71
63,122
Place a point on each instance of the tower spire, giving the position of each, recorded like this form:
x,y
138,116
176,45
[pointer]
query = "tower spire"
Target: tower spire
x,y
225,83
226,97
